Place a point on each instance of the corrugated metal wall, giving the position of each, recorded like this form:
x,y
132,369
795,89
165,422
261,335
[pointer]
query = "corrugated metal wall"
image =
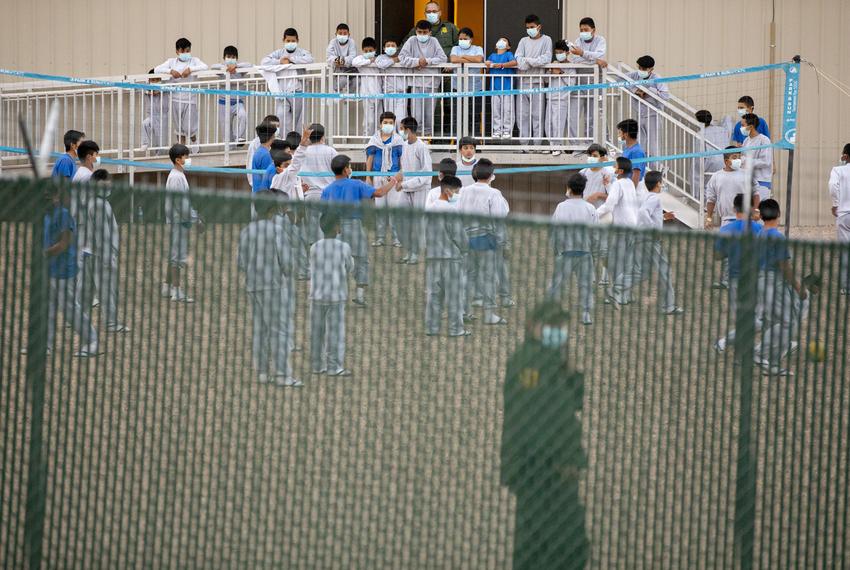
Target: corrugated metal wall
x,y
97,37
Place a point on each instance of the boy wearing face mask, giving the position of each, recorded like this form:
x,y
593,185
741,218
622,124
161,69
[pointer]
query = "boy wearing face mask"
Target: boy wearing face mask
x,y
340,55
66,165
445,247
290,110
394,81
839,193
598,178
623,205
415,158
369,84
235,113
500,64
418,53
572,245
184,106
446,167
181,216
627,133
465,52
383,154
746,106
80,196
467,160
644,107
762,159
557,102
589,49
533,53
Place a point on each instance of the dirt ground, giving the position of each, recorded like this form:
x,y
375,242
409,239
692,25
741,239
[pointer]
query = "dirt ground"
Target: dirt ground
x,y
166,452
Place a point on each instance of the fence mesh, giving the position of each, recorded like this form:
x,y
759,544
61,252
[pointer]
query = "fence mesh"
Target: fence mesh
x,y
622,449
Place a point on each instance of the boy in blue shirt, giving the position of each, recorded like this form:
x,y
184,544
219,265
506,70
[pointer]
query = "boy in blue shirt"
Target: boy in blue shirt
x,y
500,64
352,192
60,247
66,166
730,249
627,132
262,158
746,106
383,154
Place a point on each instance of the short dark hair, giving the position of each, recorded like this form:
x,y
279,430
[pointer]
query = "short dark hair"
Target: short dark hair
x,y
265,131
290,32
265,207
390,40
423,25
769,210
728,155
410,123
751,119
451,182
279,144
624,164
483,169
587,22
467,141
646,61
466,31
748,101
596,147
577,183
629,126
281,156
271,119
72,137
738,203
177,151
846,149
652,179
532,19
231,51
183,43
339,163
447,167
100,175
386,115
704,117
328,222
318,132
369,42
342,26
294,139
86,148
561,45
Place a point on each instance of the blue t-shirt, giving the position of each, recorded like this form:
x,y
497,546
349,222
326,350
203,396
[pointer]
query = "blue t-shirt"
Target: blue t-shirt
x,y
66,166
633,152
739,137
501,83
64,265
261,161
348,191
774,250
731,248
378,153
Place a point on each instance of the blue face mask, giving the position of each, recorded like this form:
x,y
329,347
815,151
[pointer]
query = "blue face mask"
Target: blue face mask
x,y
454,198
554,337
184,56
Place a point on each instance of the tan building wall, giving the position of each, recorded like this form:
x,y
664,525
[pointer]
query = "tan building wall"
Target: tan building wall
x,y
685,36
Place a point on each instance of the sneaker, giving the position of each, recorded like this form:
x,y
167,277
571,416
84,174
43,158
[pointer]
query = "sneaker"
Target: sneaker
x,y
777,371
719,285
508,302
322,371
263,378
720,346
496,320
180,296
404,259
144,148
762,362
468,318
396,243
117,328
414,259
464,333
477,303
24,351
340,372
95,302
360,303
166,291
378,243
674,311
556,153
288,382
86,351
844,291
195,148
586,319
795,346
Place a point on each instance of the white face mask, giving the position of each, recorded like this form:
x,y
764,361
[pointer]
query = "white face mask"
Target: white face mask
x,y
187,162
432,17
464,44
492,179
342,39
454,198
745,130
561,56
97,161
554,337
390,51
842,161
592,159
585,36
290,46
643,74
423,38
184,56
229,61
369,54
737,163
501,44
387,129
742,112
532,32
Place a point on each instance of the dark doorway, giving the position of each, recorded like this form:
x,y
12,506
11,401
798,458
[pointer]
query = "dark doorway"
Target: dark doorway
x,y
506,19
392,20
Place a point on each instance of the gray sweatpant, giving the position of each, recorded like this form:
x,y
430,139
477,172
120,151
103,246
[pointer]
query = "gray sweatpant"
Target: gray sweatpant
x,y
582,110
105,277
185,118
582,265
620,261
503,274
411,226
63,298
481,278
503,115
842,224
238,120
352,233
530,111
647,254
557,112
271,329
310,226
444,283
327,335
733,306
778,316
290,110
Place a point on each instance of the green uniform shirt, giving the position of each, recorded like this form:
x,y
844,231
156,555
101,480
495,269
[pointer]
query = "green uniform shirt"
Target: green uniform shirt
x,y
445,32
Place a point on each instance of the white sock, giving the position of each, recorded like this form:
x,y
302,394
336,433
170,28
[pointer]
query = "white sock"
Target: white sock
x,y
360,293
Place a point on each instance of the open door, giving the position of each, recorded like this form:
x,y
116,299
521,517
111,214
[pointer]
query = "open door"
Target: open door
x,y
506,19
393,19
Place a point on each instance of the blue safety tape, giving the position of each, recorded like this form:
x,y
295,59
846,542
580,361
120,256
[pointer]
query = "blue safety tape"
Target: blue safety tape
x,y
358,97
363,174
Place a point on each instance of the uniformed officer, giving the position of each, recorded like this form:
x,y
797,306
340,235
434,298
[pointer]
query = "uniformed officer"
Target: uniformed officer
x,y
542,455
445,32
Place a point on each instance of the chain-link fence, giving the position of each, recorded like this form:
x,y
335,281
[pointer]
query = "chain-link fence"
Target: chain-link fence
x,y
186,441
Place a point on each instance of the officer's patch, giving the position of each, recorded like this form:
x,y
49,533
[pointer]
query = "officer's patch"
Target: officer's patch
x,y
529,378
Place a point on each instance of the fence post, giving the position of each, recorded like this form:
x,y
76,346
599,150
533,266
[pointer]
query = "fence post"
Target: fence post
x,y
35,374
745,481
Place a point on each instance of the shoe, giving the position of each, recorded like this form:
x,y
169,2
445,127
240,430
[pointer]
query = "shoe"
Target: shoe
x,y
508,302
195,148
844,292
144,148
340,372
759,361
609,300
117,328
719,285
95,302
496,320
795,346
556,153
180,296
288,382
303,277
296,348
468,318
322,371
263,378
86,351
432,334
720,346
414,259
360,303
586,319
396,243
477,303
603,283
777,371
404,259
24,351
378,243
464,333
166,291
674,311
